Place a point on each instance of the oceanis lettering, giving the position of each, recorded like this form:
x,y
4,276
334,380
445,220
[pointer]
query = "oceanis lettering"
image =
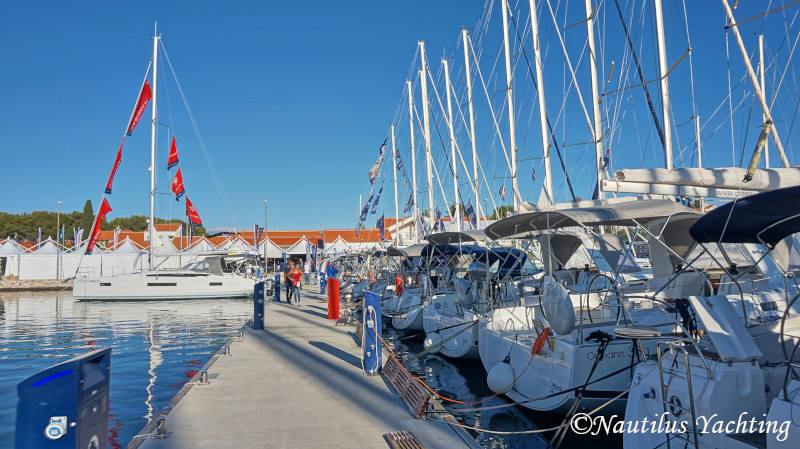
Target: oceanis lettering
x,y
585,424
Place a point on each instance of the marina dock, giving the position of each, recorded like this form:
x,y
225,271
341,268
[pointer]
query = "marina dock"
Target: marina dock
x,y
296,384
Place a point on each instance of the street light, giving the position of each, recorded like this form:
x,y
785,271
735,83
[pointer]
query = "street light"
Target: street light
x,y
58,239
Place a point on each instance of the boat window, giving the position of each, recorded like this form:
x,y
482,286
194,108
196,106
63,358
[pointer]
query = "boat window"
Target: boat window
x,y
214,283
162,284
105,284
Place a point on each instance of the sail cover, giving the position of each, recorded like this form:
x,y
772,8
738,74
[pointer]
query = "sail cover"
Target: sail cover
x,y
177,185
173,155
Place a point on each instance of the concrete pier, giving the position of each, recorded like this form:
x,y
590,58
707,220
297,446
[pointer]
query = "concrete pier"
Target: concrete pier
x,y
298,384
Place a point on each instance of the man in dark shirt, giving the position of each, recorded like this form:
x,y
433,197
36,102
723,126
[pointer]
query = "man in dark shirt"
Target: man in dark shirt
x,y
288,282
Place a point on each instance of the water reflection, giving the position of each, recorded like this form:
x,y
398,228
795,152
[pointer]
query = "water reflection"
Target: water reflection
x,y
157,346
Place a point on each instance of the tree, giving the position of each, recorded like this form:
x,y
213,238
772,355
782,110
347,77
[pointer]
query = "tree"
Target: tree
x,y
500,212
87,217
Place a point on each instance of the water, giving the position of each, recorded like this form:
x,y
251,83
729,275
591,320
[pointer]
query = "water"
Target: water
x,y
156,347
465,380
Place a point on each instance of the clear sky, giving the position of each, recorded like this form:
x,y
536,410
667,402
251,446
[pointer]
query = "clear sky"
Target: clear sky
x,y
294,98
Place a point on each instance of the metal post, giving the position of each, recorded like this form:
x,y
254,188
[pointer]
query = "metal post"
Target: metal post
x,y
764,90
537,54
756,87
597,128
457,215
265,239
153,124
426,125
413,157
662,73
58,239
510,98
466,43
396,205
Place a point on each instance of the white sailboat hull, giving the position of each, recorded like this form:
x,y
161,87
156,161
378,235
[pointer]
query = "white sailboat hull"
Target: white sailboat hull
x,y
441,316
162,286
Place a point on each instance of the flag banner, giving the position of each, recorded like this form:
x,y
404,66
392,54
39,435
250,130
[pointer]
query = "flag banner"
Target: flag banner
x,y
314,259
470,213
173,155
61,235
177,185
191,213
533,174
375,170
39,239
381,225
116,236
409,203
144,97
374,209
105,208
77,236
258,234
114,168
502,192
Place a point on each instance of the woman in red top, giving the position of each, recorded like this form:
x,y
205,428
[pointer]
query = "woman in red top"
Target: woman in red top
x,y
296,276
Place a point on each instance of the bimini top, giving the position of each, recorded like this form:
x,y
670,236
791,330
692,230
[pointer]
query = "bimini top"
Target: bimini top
x,y
406,251
443,238
511,259
627,213
768,217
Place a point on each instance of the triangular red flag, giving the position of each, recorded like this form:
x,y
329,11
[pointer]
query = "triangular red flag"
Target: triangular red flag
x,y
173,155
144,97
105,208
115,167
177,185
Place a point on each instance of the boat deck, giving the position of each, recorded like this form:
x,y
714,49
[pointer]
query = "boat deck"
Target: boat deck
x,y
298,384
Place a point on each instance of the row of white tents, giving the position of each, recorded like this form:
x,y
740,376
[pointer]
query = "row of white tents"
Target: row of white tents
x,y
50,260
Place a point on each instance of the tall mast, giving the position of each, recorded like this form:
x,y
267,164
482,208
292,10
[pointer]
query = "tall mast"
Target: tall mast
x,y
457,215
426,123
510,95
537,54
396,205
662,73
763,89
153,124
465,39
762,100
413,157
597,130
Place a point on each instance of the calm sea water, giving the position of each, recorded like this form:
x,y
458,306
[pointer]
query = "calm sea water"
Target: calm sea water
x,y
156,347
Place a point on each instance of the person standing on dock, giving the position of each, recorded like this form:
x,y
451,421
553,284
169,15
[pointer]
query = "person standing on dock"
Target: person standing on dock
x,y
297,277
306,272
288,282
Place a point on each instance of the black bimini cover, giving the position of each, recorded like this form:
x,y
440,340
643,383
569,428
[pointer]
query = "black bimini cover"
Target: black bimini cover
x,y
768,216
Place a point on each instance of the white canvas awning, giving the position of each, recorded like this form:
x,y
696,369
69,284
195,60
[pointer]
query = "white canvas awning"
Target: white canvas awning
x,y
273,250
201,245
127,247
48,247
10,248
300,247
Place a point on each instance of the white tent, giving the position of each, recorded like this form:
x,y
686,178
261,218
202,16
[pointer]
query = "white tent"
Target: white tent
x,y
236,245
201,245
48,247
273,250
300,247
127,247
10,248
338,246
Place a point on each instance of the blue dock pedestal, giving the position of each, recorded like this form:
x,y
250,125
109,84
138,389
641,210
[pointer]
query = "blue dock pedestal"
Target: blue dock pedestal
x,y
372,347
277,287
258,305
322,283
66,406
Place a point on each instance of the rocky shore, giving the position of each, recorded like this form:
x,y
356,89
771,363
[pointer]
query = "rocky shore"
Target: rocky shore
x,y
13,285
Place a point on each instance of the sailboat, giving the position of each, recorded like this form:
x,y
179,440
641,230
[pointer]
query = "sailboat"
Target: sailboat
x,y
201,279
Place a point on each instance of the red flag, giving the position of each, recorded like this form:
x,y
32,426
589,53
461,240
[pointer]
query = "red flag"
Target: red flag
x,y
173,155
191,213
115,167
177,185
144,97
105,208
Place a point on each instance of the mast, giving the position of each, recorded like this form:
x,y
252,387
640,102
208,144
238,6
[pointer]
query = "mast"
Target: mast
x,y
457,215
662,73
537,53
465,39
597,130
764,90
510,96
154,122
396,205
426,126
756,87
413,157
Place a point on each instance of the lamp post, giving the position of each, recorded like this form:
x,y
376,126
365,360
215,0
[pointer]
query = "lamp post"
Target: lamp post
x,y
58,239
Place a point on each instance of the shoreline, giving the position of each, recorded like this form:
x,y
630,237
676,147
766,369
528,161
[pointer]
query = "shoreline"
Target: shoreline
x,y
34,285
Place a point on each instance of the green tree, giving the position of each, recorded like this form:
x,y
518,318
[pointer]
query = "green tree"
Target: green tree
x,y
87,218
501,212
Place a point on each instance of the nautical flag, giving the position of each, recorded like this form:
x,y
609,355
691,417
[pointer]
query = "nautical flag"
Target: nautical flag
x,y
409,203
191,213
381,225
259,231
470,213
39,239
420,222
374,208
105,208
116,236
358,229
177,185
503,192
173,155
375,170
533,173
314,259
77,236
364,211
400,165
114,168
144,97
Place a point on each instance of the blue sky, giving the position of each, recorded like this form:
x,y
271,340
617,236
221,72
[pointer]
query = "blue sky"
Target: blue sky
x,y
294,98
